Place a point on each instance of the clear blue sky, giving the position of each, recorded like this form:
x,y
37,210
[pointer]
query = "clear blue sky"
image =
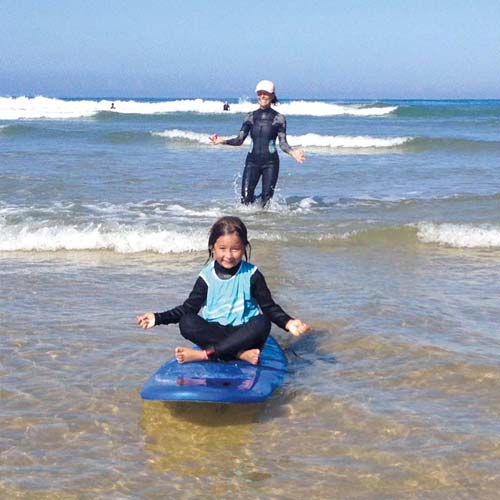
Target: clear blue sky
x,y
214,48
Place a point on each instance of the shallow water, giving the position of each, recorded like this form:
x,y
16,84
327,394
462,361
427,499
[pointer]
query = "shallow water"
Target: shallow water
x,y
393,395
392,256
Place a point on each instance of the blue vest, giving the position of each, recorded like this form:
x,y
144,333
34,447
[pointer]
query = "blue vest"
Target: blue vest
x,y
229,302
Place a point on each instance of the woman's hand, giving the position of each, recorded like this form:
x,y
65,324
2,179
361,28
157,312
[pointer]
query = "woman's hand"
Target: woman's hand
x,y
146,320
297,327
298,155
215,139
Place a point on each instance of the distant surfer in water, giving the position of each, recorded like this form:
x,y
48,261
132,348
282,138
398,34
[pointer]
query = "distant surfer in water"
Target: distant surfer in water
x,y
112,105
225,107
264,125
236,305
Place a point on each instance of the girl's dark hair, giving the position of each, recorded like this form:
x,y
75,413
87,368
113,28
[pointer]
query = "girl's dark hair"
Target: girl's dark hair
x,y
228,225
274,100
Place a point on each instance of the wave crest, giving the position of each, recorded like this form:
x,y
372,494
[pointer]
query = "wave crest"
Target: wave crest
x,y
307,140
321,108
40,107
28,108
129,239
97,237
459,235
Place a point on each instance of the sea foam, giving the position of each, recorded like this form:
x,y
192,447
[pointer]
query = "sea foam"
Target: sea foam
x,y
346,142
40,107
28,108
306,140
184,135
95,237
320,108
459,235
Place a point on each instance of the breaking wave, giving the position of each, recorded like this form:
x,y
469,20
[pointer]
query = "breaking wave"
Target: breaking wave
x,y
306,140
40,107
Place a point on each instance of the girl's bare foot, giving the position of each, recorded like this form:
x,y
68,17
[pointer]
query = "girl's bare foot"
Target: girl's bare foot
x,y
186,355
251,356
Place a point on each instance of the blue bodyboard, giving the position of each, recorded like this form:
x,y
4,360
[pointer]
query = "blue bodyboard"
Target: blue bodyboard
x,y
219,381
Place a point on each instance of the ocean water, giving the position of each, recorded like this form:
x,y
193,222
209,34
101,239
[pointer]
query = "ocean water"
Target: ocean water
x,y
386,240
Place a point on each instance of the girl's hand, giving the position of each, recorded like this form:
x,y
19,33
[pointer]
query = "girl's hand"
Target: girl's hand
x,y
146,320
215,139
298,155
297,327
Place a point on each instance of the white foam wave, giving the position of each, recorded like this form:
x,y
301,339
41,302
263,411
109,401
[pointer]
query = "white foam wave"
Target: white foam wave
x,y
184,135
306,140
346,142
187,212
95,237
459,235
295,108
19,108
123,239
16,108
320,108
178,106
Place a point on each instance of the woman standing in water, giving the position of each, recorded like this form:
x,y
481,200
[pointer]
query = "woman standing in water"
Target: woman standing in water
x,y
264,125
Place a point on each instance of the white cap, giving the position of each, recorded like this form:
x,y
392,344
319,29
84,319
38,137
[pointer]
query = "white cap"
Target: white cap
x,y
266,86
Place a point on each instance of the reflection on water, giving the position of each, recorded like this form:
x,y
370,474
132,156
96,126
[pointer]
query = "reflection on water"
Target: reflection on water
x,y
203,443
207,427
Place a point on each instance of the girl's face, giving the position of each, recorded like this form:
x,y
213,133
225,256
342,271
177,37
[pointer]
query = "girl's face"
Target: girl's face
x,y
228,250
264,99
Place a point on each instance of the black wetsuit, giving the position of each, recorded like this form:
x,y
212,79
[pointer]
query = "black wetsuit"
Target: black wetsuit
x,y
264,126
221,339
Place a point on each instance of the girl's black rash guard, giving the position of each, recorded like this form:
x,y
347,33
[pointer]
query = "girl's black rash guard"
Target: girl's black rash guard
x,y
198,296
264,126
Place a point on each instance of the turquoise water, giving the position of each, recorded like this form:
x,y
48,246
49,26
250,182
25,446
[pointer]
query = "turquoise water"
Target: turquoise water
x,y
386,240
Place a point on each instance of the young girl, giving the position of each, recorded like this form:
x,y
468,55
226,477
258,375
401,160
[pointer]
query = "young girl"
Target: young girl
x,y
236,305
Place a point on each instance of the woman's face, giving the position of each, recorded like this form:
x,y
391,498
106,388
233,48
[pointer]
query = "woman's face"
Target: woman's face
x,y
264,98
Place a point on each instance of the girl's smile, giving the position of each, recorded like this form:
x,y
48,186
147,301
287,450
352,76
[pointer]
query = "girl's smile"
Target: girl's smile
x,y
228,250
